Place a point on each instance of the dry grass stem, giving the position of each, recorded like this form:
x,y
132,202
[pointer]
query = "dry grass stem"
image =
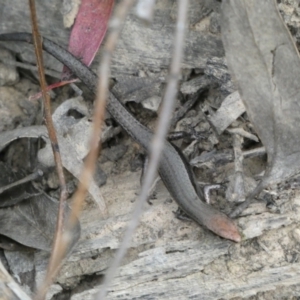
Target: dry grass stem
x,y
52,136
156,147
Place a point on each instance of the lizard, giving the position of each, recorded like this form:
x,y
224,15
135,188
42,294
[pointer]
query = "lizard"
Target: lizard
x,y
173,169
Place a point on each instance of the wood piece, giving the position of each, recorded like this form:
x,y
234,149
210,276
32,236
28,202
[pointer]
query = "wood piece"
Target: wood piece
x,y
210,268
140,47
185,257
216,69
9,289
201,286
194,85
232,107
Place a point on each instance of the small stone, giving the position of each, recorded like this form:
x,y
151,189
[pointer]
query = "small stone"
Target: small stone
x,y
11,112
8,73
296,234
152,103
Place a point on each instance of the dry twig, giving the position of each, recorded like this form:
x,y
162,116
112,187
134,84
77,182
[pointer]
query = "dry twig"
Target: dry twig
x,y
51,132
157,144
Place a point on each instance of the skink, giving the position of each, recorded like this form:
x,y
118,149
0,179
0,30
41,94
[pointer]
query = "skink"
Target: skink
x,y
173,169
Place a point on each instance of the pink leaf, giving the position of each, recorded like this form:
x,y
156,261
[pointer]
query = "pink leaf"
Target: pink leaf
x,y
89,30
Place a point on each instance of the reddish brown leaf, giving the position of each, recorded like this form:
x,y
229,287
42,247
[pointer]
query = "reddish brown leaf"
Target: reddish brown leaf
x,y
89,30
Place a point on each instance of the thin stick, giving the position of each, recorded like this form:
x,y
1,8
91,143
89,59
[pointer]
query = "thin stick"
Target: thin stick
x,y
98,118
13,63
156,146
28,178
240,208
51,133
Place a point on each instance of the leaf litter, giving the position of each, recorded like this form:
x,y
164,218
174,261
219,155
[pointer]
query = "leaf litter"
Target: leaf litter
x,y
265,64
263,143
32,222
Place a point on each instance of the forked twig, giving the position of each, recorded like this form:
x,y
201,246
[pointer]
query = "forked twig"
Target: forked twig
x,y
156,146
51,132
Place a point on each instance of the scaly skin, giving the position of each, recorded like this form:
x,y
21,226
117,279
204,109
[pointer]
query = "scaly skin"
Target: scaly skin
x,y
173,170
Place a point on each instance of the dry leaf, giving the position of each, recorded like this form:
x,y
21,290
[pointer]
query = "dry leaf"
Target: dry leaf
x,y
33,221
89,30
265,64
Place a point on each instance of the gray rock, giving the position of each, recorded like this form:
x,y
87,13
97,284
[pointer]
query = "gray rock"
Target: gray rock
x,y
12,113
8,72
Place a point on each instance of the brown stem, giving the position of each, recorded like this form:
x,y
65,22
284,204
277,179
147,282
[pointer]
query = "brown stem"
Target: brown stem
x,y
53,139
